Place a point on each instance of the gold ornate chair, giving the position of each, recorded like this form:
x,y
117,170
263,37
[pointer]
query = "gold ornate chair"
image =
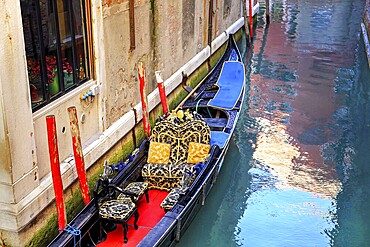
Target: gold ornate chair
x,y
111,208
175,146
137,189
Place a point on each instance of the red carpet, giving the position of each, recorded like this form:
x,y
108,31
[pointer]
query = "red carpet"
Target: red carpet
x,y
150,213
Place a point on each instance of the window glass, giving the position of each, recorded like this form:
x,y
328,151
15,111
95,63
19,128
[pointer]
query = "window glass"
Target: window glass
x,y
56,47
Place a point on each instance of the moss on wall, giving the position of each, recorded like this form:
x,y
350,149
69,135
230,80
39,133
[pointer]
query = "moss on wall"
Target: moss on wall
x,y
46,234
50,229
238,35
154,36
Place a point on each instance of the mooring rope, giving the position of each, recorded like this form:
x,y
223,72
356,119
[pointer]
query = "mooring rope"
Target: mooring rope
x,y
76,234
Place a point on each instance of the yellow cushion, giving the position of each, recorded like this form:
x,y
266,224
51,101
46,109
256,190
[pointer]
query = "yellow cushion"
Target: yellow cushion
x,y
159,153
197,152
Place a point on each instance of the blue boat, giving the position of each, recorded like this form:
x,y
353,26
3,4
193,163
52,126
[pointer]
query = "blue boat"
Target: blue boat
x,y
153,198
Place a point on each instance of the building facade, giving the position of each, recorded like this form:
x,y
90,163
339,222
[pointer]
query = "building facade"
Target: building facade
x,y
84,53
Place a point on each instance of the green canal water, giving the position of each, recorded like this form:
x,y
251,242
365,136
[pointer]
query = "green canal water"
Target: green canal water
x,y
297,172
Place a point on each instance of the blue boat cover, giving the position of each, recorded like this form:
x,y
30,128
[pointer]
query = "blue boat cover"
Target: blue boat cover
x,y
230,83
219,138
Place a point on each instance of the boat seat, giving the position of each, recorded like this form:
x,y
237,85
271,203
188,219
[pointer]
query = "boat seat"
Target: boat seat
x,y
119,212
136,188
112,209
171,199
219,138
176,145
219,123
230,82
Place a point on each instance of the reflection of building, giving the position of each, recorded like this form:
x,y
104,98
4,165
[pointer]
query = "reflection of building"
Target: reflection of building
x,y
106,66
293,89
292,168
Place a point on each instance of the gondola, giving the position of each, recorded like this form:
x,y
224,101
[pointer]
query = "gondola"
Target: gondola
x,y
151,199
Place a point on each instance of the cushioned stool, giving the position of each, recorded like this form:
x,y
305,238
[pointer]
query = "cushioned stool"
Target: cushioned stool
x,y
137,189
119,212
171,199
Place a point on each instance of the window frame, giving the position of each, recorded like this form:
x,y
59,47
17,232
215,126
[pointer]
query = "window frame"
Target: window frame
x,y
88,47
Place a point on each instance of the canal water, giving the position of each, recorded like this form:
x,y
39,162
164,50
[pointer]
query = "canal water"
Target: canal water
x,y
297,172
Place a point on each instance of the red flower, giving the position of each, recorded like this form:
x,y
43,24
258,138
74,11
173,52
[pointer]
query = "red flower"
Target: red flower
x,y
34,68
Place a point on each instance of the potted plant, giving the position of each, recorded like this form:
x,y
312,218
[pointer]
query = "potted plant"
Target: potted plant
x,y
34,73
67,73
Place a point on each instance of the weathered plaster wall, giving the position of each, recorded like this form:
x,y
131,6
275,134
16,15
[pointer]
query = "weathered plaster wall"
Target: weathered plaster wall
x,y
168,33
169,36
88,128
121,76
6,193
227,11
22,177
188,24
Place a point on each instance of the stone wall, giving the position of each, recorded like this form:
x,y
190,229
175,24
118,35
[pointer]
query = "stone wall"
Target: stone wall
x,y
168,33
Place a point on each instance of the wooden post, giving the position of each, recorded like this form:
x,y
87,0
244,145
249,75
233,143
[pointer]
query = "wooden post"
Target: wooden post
x,y
55,171
162,91
268,11
141,75
77,152
246,28
210,28
132,24
251,19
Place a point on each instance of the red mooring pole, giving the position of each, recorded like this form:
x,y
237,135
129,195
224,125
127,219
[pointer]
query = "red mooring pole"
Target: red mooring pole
x,y
55,171
141,75
250,19
162,91
77,152
268,11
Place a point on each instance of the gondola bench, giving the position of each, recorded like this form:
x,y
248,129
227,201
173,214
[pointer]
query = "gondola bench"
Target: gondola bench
x,y
174,148
112,209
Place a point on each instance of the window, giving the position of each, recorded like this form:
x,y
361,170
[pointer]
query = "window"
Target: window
x,y
56,35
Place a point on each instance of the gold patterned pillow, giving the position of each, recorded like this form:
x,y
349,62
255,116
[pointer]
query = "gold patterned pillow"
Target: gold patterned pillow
x,y
197,152
159,153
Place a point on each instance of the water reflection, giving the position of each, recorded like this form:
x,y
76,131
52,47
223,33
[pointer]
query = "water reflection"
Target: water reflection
x,y
289,201
301,72
277,152
285,218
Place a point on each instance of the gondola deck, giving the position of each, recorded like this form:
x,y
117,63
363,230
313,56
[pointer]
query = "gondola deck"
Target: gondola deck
x,y
150,214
